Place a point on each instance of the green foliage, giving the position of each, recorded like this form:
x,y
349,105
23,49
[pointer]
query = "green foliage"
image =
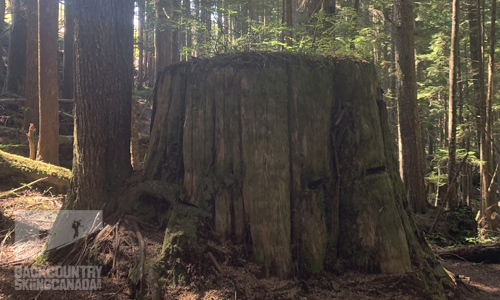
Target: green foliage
x,y
440,160
436,239
475,240
145,93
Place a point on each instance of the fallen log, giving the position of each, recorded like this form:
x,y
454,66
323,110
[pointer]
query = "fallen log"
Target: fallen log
x,y
15,169
478,253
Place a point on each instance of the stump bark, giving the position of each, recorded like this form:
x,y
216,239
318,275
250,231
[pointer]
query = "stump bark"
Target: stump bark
x,y
292,154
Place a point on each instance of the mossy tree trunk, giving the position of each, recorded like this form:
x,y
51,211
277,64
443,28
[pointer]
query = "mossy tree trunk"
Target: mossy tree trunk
x,y
291,153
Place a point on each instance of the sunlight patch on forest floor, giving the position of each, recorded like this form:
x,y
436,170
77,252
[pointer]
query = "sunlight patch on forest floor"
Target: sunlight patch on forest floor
x,y
16,251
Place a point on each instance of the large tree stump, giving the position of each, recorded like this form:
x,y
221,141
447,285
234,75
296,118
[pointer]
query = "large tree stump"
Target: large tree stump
x,y
292,153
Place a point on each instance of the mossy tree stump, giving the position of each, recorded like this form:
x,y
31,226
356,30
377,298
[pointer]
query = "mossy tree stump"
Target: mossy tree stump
x,y
291,153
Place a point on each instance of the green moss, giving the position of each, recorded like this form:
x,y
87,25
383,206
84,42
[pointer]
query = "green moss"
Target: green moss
x,y
28,165
180,244
5,129
145,93
41,259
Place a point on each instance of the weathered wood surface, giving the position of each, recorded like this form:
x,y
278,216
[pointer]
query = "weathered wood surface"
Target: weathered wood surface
x,y
291,153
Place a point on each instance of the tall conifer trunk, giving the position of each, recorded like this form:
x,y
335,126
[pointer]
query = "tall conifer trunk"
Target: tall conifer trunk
x,y
490,207
410,137
452,107
478,81
32,93
16,68
287,22
48,76
140,44
104,46
68,85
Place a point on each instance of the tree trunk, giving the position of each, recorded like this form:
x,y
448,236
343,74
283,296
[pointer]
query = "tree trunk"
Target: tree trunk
x,y
292,153
48,75
410,137
134,137
287,22
3,69
452,106
175,18
485,168
313,8
187,27
32,94
140,44
147,41
68,85
329,7
104,45
491,206
16,67
163,34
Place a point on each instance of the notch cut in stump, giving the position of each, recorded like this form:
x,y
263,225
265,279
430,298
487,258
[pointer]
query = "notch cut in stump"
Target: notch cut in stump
x,y
291,152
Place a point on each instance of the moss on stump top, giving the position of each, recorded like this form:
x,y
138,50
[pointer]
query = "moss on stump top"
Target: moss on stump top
x,y
244,60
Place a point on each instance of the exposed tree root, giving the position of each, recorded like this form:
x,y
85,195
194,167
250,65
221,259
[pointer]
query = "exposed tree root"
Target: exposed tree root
x,y
136,274
216,264
154,287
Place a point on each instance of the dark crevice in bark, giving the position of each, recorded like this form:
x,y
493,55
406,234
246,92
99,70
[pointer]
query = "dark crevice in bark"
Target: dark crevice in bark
x,y
376,170
293,238
180,171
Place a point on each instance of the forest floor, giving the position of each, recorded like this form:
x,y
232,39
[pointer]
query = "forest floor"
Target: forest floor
x,y
239,278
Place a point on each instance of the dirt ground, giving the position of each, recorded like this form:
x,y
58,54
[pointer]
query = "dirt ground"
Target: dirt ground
x,y
484,278
239,279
